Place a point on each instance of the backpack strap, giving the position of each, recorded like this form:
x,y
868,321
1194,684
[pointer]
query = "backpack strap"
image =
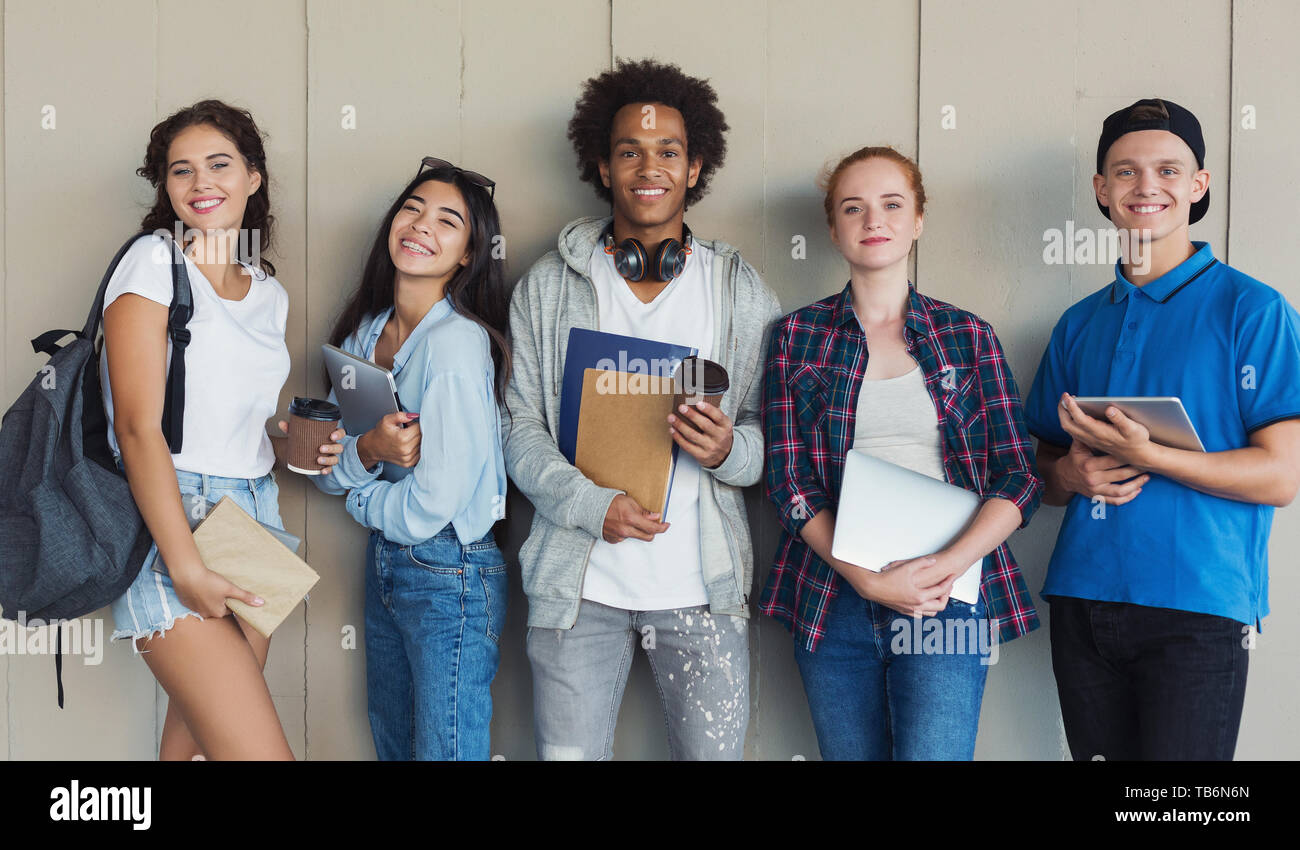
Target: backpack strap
x,y
47,343
91,328
58,660
178,316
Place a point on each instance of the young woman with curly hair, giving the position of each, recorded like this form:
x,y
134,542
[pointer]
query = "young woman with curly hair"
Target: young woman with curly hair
x,y
208,165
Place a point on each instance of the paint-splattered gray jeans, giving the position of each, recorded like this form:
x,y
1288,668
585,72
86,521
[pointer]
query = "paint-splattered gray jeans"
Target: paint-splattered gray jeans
x,y
701,667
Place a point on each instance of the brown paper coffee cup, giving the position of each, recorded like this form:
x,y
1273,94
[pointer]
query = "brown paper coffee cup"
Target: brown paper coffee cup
x,y
697,380
311,421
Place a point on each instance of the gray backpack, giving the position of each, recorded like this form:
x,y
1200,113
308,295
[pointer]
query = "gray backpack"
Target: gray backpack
x,y
71,537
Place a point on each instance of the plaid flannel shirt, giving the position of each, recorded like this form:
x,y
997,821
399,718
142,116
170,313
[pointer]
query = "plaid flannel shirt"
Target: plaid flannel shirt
x,y
815,365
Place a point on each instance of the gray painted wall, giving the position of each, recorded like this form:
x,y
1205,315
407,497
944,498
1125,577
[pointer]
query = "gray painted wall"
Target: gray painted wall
x,y
1002,102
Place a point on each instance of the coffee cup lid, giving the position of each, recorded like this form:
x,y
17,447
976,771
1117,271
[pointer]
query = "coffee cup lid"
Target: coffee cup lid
x,y
314,408
699,375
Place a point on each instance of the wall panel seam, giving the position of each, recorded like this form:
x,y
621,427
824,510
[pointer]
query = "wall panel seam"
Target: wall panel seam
x,y
306,318
1074,171
1232,121
765,257
460,94
920,39
4,341
157,686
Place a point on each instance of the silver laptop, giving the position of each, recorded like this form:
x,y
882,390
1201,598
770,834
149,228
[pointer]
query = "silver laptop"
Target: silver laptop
x,y
890,513
366,393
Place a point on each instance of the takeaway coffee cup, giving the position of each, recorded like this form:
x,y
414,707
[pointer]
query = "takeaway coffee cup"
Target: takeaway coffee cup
x,y
697,380
311,421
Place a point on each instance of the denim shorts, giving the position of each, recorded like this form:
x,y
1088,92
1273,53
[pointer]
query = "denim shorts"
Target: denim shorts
x,y
150,605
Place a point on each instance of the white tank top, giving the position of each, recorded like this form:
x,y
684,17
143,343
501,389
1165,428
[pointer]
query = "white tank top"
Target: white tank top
x,y
896,422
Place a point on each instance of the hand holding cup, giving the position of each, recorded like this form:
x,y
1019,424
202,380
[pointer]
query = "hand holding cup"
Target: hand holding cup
x,y
314,435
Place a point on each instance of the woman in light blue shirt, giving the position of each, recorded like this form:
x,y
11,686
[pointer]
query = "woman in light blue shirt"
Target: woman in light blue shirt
x,y
431,307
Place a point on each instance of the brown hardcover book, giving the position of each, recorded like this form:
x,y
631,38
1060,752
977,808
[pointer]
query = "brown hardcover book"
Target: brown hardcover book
x,y
236,546
623,440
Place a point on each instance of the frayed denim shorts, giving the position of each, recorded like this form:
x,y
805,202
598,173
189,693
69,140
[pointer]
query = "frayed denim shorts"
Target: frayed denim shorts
x,y
150,605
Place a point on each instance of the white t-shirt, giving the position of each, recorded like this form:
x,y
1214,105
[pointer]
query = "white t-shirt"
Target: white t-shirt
x,y
664,573
235,364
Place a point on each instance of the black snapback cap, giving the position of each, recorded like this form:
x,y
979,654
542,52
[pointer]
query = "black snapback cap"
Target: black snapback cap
x,y
1155,114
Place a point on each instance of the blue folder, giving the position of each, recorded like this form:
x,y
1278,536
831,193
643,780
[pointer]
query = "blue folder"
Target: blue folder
x,y
590,349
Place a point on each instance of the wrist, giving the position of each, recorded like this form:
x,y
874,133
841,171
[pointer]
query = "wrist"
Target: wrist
x,y
948,559
185,571
367,458
863,581
724,457
1150,457
955,563
1057,489
1067,479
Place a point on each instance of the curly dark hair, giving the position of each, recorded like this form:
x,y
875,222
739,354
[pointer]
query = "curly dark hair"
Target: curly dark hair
x,y
235,124
647,81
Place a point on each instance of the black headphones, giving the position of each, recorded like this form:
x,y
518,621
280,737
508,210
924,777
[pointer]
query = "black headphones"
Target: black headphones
x,y
631,260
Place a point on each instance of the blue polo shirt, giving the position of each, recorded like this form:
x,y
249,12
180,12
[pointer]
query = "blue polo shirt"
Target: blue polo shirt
x,y
1229,347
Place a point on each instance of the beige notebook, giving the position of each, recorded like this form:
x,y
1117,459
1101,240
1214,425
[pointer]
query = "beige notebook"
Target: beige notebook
x,y
623,440
235,546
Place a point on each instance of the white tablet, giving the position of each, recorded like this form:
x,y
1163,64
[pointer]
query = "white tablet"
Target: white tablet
x,y
1163,416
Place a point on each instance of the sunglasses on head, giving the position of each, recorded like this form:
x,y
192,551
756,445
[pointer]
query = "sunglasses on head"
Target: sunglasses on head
x,y
473,176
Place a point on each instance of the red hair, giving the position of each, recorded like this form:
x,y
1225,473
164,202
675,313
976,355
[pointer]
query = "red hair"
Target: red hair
x,y
831,178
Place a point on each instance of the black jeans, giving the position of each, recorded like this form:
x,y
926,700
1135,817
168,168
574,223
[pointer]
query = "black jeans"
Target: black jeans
x,y
1137,682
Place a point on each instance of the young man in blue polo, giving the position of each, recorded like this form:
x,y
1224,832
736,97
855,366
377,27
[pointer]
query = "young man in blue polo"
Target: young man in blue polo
x,y
1161,566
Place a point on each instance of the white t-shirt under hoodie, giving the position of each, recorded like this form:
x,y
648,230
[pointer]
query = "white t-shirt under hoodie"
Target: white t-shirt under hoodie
x,y
235,365
665,572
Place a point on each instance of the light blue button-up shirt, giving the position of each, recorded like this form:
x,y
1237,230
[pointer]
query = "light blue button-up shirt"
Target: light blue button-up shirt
x,y
443,371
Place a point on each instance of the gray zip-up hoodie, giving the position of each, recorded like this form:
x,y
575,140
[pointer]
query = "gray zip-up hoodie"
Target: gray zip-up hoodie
x,y
556,295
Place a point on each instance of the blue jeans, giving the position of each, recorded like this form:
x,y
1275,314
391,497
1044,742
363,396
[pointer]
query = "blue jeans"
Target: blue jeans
x,y
1138,682
434,613
882,686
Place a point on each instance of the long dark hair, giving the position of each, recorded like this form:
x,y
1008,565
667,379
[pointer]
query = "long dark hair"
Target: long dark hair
x,y
238,126
478,290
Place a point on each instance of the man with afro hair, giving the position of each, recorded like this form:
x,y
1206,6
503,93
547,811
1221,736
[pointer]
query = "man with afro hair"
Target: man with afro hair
x,y
602,572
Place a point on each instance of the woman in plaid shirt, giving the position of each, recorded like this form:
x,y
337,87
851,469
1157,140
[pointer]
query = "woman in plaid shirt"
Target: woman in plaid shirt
x,y
935,396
